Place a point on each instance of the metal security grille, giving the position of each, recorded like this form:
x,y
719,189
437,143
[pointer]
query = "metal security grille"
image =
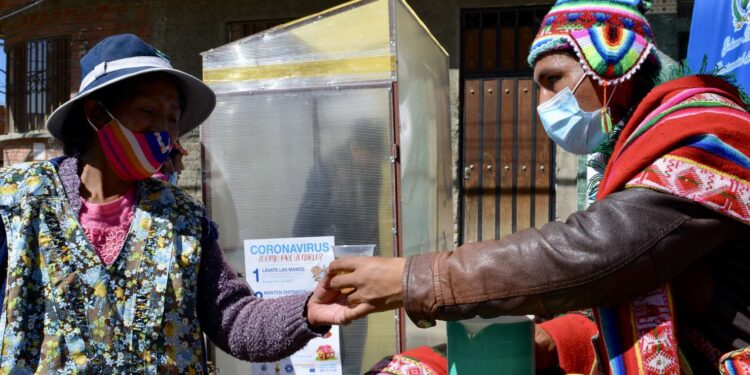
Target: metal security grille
x,y
508,162
38,81
497,41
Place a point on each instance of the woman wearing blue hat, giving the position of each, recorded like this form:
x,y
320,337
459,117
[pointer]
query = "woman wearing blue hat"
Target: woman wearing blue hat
x,y
105,269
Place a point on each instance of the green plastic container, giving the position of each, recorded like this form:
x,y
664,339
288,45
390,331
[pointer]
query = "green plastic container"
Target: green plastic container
x,y
503,345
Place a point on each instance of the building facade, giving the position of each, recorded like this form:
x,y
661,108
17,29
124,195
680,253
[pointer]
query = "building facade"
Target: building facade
x,y
45,39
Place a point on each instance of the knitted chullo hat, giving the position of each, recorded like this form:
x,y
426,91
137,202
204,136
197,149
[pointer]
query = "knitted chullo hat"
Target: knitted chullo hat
x,y
611,38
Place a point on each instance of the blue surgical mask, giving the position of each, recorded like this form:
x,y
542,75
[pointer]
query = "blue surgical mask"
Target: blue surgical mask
x,y
173,177
572,128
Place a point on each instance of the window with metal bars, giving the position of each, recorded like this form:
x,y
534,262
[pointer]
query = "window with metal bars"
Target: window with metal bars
x,y
38,81
495,42
241,29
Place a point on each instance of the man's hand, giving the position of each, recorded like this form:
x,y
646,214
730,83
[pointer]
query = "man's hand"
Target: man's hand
x,y
377,284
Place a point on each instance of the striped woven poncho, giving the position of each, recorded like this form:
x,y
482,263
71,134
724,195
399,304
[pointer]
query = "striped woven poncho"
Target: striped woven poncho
x,y
689,137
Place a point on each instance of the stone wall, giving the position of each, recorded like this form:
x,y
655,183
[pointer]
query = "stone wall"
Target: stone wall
x,y
23,150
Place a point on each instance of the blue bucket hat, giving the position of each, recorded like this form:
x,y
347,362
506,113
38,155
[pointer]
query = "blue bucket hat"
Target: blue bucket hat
x,y
123,56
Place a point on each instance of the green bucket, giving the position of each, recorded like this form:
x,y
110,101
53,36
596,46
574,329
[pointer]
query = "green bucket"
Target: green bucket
x,y
503,345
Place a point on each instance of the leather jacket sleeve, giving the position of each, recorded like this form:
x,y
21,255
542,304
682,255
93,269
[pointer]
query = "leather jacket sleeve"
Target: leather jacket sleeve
x,y
625,245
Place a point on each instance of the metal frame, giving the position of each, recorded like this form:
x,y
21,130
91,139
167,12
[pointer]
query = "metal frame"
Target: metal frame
x,y
398,241
463,76
514,224
392,87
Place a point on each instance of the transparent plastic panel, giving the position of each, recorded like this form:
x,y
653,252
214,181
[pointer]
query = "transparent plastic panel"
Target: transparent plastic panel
x,y
348,43
426,184
299,164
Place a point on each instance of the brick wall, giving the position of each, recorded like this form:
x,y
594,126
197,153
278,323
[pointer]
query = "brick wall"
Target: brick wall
x,y
23,150
86,22
10,6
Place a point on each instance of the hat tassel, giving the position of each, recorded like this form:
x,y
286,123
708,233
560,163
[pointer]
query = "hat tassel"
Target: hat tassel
x,y
606,117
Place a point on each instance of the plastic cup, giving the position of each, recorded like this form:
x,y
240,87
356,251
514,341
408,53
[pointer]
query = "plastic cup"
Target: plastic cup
x,y
344,251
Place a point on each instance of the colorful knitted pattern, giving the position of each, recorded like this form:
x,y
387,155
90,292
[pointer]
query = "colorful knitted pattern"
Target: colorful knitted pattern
x,y
736,363
691,138
422,360
640,337
612,38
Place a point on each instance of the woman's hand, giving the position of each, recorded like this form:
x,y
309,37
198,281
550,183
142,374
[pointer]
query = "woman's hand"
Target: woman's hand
x,y
176,156
377,284
326,306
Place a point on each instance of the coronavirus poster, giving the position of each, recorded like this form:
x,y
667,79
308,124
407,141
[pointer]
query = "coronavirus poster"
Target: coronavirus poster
x,y
285,266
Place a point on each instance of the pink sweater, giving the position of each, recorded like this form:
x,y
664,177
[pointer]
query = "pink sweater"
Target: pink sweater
x,y
106,225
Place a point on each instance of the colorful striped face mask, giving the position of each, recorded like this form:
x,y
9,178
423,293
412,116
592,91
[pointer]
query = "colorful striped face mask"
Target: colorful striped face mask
x,y
133,156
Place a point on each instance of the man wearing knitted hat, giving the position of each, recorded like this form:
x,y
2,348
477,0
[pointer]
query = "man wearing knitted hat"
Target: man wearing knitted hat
x,y
660,259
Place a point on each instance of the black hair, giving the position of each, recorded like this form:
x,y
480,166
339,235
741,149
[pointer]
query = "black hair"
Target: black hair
x,y
77,134
646,78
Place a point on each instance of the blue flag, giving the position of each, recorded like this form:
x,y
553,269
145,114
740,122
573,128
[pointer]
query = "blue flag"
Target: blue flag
x,y
720,32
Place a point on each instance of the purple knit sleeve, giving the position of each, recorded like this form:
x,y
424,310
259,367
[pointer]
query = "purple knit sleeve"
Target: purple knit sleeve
x,y
248,328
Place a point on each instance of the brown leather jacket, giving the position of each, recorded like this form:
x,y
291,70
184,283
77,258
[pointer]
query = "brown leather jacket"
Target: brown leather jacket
x,y
625,245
